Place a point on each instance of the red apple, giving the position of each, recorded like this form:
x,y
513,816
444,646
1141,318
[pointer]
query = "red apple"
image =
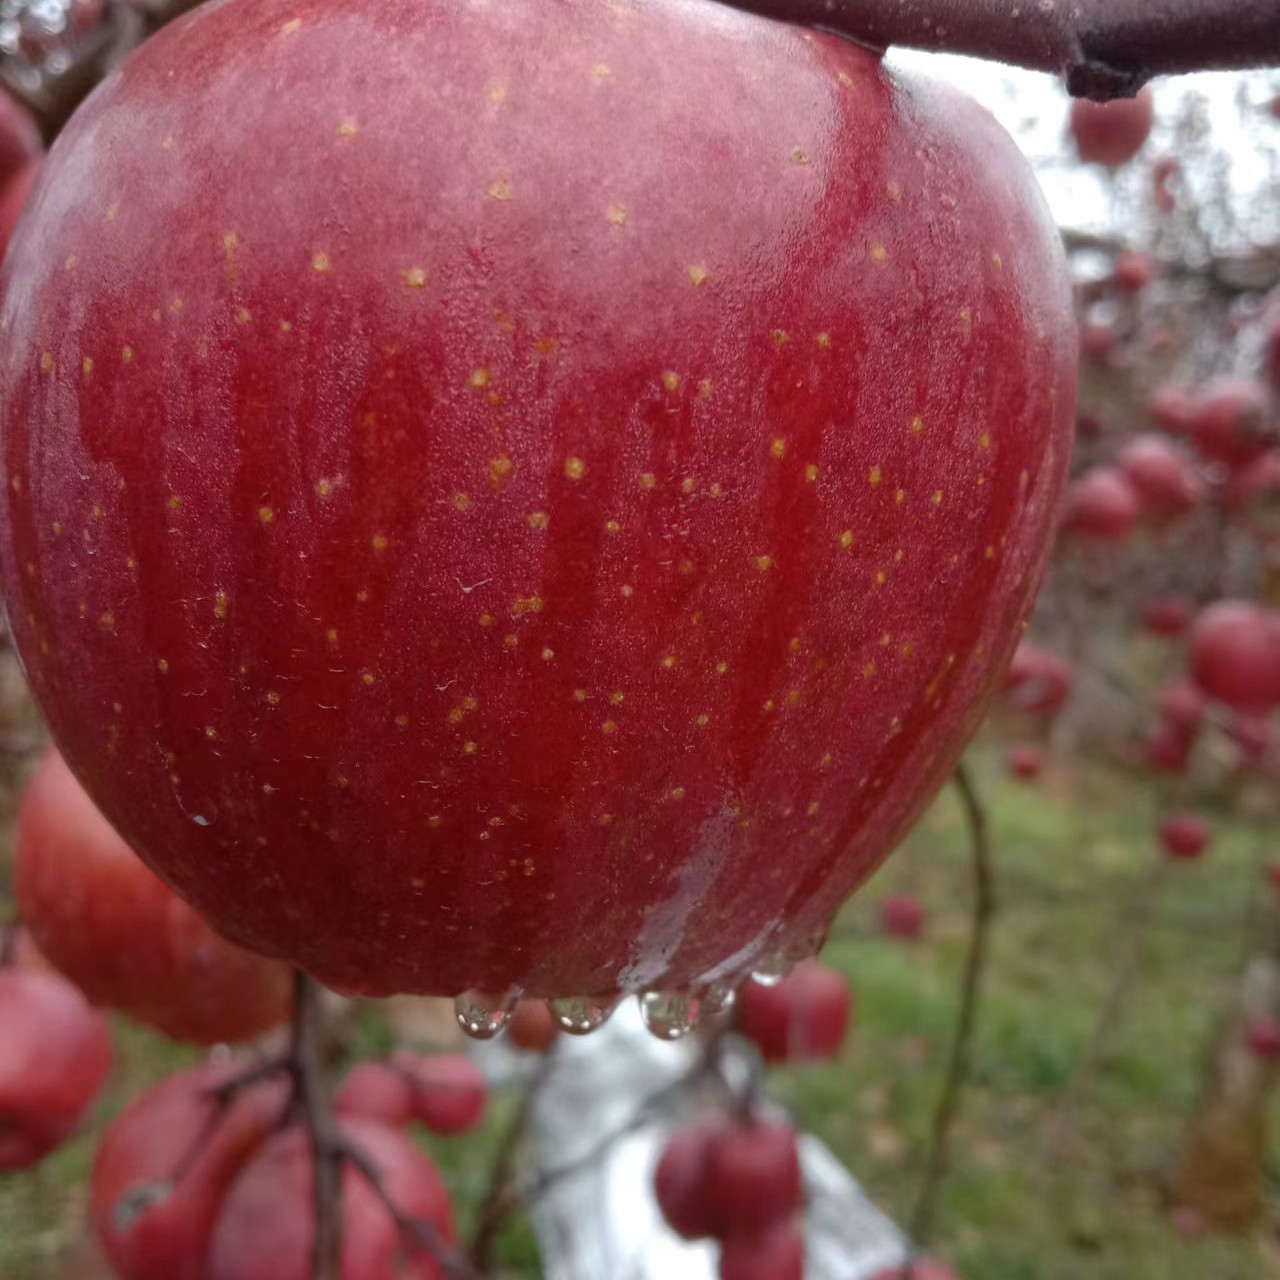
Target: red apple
x,y
55,1052
532,1026
1038,682
1102,504
447,1090
1182,706
1168,748
1171,409
775,1255
752,1178
1254,491
921,1269
20,145
1162,476
1264,1038
1235,655
1132,272
1111,133
1166,616
121,935
1184,835
557,498
267,1221
1097,341
803,1018
165,1165
680,1182
1025,761
376,1091
1232,422
902,917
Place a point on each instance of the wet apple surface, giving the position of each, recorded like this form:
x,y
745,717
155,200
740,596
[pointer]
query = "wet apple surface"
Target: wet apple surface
x,y
524,496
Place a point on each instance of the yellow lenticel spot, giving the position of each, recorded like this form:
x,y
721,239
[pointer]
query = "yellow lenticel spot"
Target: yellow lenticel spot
x,y
822,340
688,484
574,468
811,472
273,698
894,191
917,425
721,668
220,604
87,365
294,24
433,821
243,315
579,695
677,793
609,726
780,337
379,542
648,480
548,654
799,156
500,469
362,595
469,748
462,501
671,380
984,440
162,667
698,276
536,520
881,577
900,496
46,362
210,731
764,563
669,661
612,526
479,378
499,190
705,387
879,253
347,129
869,669
874,477
366,677
846,539
702,721
415,278
486,619
126,354
778,449
174,502
320,263
617,215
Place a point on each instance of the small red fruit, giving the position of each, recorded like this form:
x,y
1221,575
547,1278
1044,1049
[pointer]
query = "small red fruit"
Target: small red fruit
x,y
1097,341
1102,504
776,1255
1163,477
55,1052
1025,761
1254,489
376,1091
1171,409
1235,655
1232,422
1264,1038
803,1018
165,1165
752,1178
902,917
1184,835
121,935
1168,616
680,1182
267,1223
1038,682
1133,272
1112,133
447,1091
532,1026
1168,748
1183,706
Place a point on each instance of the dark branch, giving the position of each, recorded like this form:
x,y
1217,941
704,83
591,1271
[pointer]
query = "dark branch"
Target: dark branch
x,y
1101,48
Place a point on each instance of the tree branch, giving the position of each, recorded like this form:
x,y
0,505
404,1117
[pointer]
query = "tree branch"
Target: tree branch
x,y
984,904
1101,48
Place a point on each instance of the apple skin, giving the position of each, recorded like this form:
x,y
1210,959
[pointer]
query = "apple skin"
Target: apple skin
x,y
1111,133
752,1178
265,1229
121,935
803,1018
1235,655
155,1137
55,1053
776,1255
509,535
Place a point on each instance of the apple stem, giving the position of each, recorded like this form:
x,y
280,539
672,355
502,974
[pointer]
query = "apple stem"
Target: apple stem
x,y
982,872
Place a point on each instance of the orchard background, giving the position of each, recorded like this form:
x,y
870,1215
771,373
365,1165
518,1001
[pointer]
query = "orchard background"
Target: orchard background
x,y
1065,1038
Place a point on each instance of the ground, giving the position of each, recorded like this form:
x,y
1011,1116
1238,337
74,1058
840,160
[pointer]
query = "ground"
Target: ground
x,y
1069,850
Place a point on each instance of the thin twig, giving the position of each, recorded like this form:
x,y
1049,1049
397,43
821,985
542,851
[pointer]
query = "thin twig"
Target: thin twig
x,y
957,1074
315,1108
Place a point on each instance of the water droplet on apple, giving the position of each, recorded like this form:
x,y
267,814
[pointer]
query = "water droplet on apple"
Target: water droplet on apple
x,y
772,968
580,1015
717,1000
669,1015
482,1014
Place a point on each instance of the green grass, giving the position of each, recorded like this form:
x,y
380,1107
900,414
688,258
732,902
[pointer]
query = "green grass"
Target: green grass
x,y
1069,853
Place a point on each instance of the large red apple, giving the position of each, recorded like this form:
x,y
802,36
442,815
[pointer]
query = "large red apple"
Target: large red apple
x,y
267,1222
1111,133
680,1182
121,935
55,1052
480,481
166,1164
